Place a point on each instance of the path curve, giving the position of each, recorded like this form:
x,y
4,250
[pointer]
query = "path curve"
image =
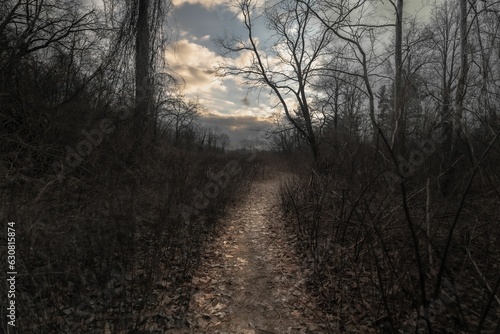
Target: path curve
x,y
249,281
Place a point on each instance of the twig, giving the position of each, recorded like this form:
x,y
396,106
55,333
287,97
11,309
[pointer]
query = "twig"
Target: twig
x,y
43,190
490,290
281,318
427,217
461,205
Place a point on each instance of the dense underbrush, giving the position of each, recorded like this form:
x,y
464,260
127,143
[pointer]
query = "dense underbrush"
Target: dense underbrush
x,y
392,257
109,245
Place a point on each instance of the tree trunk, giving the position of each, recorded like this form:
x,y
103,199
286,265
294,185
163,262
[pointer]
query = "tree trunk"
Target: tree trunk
x,y
399,134
336,106
311,136
142,76
460,94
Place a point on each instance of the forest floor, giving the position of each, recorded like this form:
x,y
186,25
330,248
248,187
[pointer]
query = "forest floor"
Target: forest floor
x,y
250,281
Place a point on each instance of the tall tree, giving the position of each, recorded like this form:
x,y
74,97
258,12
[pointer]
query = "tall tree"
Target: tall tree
x,y
349,22
464,69
179,116
444,47
142,66
385,106
300,43
29,26
139,35
399,133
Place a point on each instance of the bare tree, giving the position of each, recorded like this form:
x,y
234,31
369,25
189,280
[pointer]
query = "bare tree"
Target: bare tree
x,y
347,21
484,51
32,25
399,133
464,69
444,49
283,136
142,66
138,34
179,115
290,64
340,97
216,140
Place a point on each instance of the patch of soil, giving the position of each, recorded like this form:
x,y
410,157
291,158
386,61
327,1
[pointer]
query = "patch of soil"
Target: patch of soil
x,y
249,281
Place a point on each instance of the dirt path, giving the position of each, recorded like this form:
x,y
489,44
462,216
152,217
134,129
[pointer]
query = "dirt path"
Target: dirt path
x,y
249,281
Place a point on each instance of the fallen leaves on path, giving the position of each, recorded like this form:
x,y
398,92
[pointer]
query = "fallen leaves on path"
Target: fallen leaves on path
x,y
250,281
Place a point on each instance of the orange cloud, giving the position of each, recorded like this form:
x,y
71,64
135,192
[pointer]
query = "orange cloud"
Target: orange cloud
x,y
194,65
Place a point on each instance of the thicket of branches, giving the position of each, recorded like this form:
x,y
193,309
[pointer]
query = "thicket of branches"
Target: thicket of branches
x,y
99,154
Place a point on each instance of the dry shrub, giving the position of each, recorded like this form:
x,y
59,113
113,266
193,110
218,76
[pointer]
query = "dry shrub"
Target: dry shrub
x,y
106,247
375,251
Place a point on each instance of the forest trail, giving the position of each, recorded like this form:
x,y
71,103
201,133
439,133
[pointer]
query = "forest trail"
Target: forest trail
x,y
249,281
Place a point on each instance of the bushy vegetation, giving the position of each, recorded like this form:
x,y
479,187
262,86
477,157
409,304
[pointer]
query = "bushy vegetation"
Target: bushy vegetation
x,y
419,255
97,182
98,245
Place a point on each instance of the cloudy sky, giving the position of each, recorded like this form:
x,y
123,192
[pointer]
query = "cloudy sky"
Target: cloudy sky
x,y
194,52
193,55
